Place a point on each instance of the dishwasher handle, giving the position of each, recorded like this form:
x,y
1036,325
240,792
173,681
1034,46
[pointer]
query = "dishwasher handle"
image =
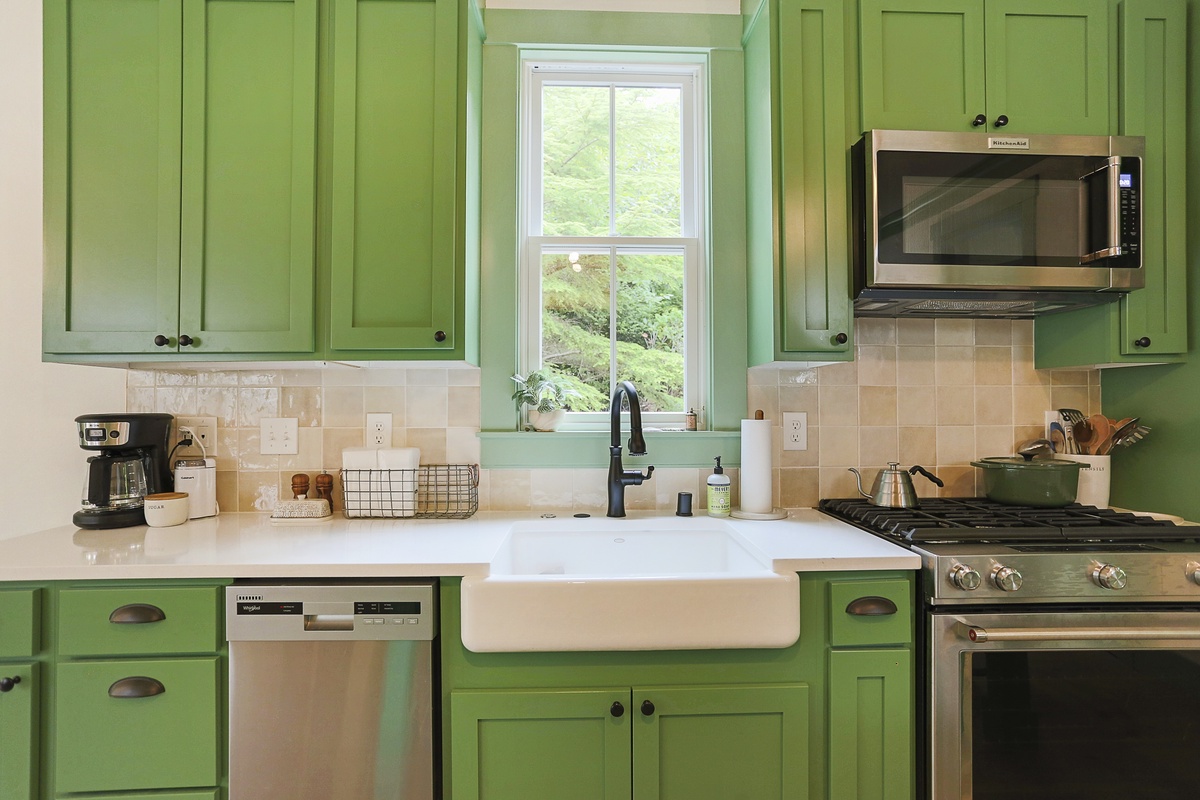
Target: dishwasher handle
x,y
328,622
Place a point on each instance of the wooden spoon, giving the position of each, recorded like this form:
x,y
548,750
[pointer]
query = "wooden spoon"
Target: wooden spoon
x,y
1101,432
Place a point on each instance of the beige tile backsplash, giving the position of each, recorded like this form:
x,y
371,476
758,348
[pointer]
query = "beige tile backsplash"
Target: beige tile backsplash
x,y
939,394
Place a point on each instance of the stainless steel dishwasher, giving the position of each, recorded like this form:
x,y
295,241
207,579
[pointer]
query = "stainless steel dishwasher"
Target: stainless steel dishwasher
x,y
332,691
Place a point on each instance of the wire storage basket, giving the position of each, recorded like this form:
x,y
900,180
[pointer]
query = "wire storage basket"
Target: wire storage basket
x,y
448,491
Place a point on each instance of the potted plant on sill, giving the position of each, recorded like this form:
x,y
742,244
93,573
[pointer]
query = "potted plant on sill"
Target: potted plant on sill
x,y
546,395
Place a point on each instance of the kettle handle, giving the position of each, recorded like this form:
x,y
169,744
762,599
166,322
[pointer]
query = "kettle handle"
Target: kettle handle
x,y
914,469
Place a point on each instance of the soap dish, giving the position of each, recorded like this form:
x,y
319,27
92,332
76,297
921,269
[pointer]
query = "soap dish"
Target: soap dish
x,y
301,510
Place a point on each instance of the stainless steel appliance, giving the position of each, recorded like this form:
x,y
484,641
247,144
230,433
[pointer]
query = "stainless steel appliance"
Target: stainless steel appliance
x,y
986,225
1060,648
332,691
130,463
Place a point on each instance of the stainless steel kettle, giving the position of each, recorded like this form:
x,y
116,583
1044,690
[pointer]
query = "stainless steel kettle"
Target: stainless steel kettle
x,y
894,487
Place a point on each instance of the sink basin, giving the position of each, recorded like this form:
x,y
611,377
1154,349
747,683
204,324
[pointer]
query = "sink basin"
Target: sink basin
x,y
647,584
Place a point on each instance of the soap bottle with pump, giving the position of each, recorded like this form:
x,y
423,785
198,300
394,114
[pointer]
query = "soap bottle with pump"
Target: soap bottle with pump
x,y
718,492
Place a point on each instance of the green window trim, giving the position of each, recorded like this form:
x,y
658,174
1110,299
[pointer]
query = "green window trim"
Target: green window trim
x,y
715,39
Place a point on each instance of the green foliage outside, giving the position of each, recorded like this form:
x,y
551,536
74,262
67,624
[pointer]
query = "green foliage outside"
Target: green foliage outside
x,y
576,292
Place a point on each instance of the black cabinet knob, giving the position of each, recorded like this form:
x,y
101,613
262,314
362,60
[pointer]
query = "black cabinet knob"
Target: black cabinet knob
x,y
185,340
980,119
439,336
617,709
647,708
161,341
7,684
841,338
1142,342
1001,121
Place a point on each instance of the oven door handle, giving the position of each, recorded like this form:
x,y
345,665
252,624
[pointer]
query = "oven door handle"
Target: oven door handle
x,y
978,635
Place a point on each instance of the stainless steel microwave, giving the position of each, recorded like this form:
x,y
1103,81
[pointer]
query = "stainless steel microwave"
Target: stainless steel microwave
x,y
986,225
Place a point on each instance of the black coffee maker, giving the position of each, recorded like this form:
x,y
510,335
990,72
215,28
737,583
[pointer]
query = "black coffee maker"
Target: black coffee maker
x,y
130,463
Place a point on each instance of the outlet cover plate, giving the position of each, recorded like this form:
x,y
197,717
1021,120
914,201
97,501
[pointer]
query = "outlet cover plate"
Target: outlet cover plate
x,y
795,430
278,436
204,428
379,430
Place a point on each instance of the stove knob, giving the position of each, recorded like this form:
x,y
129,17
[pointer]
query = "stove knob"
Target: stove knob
x,y
965,578
1107,576
1193,571
1007,579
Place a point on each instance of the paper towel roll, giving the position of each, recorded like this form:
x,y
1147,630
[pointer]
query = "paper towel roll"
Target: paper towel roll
x,y
757,487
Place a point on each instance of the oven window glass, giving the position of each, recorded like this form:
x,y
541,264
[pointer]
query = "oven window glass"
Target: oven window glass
x,y
985,209
1085,724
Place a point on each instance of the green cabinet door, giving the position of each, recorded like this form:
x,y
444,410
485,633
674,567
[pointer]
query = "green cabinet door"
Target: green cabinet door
x,y
1148,325
517,745
798,268
248,256
395,277
871,725
18,731
112,115
710,743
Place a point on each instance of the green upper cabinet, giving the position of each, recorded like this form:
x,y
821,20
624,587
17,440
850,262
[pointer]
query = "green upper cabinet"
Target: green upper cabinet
x,y
1019,66
1150,324
394,276
179,176
797,176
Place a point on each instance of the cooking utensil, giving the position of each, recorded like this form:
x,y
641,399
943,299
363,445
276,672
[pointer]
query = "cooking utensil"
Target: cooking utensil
x,y
1020,481
893,486
1058,437
1035,447
1102,429
1070,418
1124,430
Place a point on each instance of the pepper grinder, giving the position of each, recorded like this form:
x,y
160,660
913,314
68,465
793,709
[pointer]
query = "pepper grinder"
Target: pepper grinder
x,y
325,487
299,485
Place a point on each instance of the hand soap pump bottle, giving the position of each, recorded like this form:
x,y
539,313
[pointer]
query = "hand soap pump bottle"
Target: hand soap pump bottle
x,y
718,492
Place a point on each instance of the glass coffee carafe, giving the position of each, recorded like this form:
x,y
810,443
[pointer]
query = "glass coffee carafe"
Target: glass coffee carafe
x,y
114,481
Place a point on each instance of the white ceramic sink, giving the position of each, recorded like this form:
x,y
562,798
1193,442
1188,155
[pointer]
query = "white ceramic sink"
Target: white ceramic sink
x,y
665,583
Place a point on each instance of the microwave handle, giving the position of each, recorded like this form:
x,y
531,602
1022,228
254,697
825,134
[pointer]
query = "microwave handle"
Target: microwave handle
x,y
1114,211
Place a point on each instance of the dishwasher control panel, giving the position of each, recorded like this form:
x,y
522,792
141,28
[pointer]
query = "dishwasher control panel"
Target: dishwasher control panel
x,y
348,612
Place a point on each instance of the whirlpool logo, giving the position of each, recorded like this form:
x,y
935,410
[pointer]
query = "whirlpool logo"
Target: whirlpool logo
x,y
249,608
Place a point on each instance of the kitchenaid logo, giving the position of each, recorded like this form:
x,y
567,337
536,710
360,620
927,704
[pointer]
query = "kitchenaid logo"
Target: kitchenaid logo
x,y
1007,143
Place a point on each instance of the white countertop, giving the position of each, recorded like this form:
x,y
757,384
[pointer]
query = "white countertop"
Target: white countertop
x,y
251,546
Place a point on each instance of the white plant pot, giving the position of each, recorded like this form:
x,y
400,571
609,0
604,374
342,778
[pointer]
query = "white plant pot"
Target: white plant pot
x,y
548,421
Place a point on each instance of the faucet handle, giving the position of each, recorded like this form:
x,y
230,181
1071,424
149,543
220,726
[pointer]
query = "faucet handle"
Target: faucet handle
x,y
632,477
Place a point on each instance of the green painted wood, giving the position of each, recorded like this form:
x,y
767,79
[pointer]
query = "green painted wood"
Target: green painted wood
x,y
206,794
169,740
249,180
871,730
721,742
655,31
20,623
111,167
471,137
851,630
19,757
922,64
517,745
395,280
192,623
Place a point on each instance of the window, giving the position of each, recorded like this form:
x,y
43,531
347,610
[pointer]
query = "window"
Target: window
x,y
613,262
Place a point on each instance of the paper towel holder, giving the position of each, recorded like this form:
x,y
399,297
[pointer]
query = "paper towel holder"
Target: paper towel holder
x,y
774,513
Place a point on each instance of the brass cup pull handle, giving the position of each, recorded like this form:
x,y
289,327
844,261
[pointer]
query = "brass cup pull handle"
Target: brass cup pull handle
x,y
136,686
871,607
8,684
136,614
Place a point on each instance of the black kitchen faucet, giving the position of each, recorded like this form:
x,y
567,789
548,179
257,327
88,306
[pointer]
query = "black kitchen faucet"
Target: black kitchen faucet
x,y
618,476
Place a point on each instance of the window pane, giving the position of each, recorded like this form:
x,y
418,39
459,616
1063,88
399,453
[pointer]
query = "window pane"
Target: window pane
x,y
648,161
575,160
650,328
575,323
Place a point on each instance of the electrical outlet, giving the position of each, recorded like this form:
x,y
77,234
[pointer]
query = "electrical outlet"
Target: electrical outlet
x,y
204,430
795,430
278,436
379,429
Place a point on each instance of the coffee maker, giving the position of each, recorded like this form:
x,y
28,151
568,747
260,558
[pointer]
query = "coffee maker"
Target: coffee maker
x,y
130,463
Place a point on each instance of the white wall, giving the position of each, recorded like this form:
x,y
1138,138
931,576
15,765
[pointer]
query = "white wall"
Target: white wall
x,y
41,466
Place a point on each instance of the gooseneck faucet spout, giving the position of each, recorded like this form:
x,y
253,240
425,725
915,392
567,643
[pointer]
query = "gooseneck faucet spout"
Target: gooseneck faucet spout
x,y
618,476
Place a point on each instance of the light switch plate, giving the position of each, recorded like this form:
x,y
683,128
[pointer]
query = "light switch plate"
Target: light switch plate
x,y
795,430
278,436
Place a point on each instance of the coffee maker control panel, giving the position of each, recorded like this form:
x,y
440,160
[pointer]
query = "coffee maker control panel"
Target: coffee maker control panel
x,y
103,434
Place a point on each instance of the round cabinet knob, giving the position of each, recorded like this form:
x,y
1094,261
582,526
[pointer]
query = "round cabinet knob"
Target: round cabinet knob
x,y
965,578
1142,342
647,708
1107,576
185,340
7,684
617,709
1001,121
1193,571
1007,579
439,336
980,119
161,341
841,338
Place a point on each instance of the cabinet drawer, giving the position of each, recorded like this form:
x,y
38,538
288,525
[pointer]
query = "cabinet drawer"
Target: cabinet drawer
x,y
20,623
848,629
207,794
185,620
165,740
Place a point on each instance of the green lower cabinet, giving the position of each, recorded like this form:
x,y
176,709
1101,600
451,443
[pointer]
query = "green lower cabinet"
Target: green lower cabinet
x,y
870,725
207,794
18,731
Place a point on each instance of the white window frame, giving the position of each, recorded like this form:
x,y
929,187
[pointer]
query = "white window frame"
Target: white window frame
x,y
691,243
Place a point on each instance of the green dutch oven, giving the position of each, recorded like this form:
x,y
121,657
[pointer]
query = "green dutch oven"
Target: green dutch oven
x,y
1045,482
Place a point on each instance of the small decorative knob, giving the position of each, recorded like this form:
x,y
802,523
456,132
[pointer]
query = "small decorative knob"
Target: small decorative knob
x,y
1193,571
7,684
1142,342
841,338
965,578
185,340
980,119
439,336
647,708
1107,576
1001,121
1007,579
617,709
161,341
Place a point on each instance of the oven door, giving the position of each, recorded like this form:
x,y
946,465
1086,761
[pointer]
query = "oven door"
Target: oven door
x,y
1063,704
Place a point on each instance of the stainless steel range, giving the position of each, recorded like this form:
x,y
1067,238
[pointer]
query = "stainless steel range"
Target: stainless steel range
x,y
1059,649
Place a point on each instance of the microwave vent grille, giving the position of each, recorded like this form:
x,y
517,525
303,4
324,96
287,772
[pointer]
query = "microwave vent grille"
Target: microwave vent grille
x,y
972,306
